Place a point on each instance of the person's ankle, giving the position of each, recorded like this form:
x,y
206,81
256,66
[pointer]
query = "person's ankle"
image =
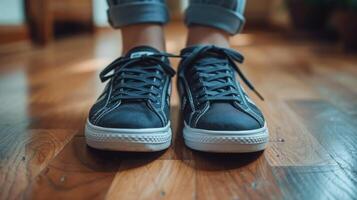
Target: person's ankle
x,y
204,35
143,35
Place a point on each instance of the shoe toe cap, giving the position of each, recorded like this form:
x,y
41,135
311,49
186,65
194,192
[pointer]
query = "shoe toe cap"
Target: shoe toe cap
x,y
134,116
225,117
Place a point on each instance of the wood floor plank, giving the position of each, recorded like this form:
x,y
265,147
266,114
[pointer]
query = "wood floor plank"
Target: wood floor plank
x,y
24,154
291,143
338,94
316,182
234,176
334,130
78,172
159,179
63,102
346,77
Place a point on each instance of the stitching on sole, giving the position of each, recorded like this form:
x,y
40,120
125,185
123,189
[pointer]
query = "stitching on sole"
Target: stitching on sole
x,y
150,137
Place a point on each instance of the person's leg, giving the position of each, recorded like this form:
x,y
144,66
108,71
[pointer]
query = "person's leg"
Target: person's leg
x,y
214,21
207,35
140,21
143,34
133,111
218,114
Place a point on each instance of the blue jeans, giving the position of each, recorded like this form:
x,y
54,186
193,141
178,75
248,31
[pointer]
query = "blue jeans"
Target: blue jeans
x,y
226,15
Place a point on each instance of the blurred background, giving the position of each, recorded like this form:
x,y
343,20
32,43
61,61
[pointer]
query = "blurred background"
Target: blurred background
x,y
43,21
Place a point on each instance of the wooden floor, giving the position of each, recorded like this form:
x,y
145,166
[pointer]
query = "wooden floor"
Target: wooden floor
x,y
310,89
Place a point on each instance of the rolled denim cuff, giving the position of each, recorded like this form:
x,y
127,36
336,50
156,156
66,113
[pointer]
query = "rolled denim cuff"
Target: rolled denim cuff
x,y
215,16
136,13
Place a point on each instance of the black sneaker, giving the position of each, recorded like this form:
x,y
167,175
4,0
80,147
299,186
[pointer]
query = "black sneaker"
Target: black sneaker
x,y
218,114
132,114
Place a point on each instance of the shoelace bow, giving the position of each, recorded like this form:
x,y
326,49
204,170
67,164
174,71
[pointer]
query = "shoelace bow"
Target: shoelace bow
x,y
214,80
137,78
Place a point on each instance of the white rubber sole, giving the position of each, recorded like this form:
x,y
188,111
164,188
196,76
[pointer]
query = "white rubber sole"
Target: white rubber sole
x,y
226,141
136,140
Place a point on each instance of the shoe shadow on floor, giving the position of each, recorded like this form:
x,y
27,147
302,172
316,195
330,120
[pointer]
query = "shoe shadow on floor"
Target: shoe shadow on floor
x,y
136,159
224,161
205,160
111,161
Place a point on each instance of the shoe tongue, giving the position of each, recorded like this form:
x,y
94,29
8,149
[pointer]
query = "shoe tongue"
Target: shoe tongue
x,y
140,51
209,56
